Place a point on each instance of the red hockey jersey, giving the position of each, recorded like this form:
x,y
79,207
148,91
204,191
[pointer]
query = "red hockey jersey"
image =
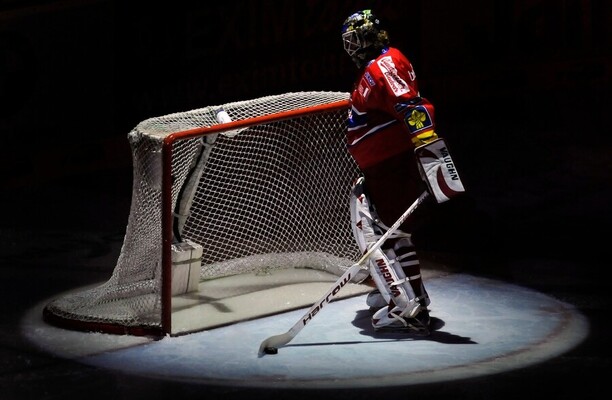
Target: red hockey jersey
x,y
386,110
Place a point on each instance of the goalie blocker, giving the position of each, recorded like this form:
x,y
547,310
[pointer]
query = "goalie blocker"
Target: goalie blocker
x,y
438,170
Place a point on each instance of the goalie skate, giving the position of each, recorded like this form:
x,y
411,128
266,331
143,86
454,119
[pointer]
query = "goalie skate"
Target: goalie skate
x,y
393,321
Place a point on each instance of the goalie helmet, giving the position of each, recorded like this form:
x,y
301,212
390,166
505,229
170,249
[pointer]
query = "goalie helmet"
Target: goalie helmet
x,y
363,37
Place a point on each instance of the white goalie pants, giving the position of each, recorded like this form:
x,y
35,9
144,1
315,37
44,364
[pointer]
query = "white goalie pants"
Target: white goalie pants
x,y
394,267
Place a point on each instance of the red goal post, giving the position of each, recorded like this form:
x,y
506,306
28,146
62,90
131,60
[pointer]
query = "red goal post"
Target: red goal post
x,y
266,191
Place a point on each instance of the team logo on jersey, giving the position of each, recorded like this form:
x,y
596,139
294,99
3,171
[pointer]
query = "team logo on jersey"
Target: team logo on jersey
x,y
397,84
417,119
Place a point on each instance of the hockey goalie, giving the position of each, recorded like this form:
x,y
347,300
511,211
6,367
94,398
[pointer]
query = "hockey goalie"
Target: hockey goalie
x,y
391,136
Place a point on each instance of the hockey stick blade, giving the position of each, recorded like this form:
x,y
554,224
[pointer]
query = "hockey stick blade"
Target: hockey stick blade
x,y
276,341
271,344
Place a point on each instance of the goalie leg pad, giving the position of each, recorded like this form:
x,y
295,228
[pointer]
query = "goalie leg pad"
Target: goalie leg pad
x,y
385,270
366,233
414,316
408,259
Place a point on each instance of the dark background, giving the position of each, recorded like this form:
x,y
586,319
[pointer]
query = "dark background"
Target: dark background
x,y
521,88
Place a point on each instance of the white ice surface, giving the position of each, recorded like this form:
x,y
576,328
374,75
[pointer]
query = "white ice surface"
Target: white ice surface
x,y
482,327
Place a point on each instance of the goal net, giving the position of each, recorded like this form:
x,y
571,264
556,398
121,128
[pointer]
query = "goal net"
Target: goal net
x,y
224,209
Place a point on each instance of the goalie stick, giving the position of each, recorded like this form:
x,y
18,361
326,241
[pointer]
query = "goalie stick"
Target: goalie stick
x,y
271,344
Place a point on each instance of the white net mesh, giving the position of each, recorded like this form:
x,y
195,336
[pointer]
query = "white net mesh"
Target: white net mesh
x,y
273,196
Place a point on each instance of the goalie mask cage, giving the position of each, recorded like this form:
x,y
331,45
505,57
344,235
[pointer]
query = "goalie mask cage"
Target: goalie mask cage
x,y
270,189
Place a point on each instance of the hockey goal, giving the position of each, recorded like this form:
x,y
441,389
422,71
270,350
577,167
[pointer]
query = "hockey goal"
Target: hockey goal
x,y
226,210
